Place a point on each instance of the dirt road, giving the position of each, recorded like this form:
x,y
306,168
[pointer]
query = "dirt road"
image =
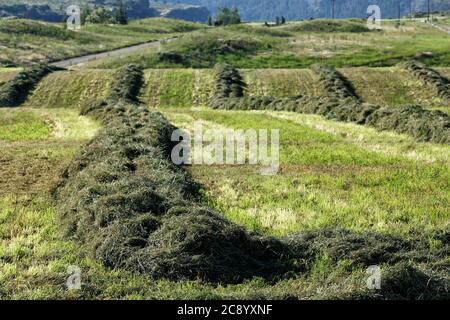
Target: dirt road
x,y
113,53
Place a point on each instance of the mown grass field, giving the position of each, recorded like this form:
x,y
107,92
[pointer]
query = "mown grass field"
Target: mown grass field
x,y
26,42
70,89
445,72
332,174
195,87
382,86
394,87
290,46
34,258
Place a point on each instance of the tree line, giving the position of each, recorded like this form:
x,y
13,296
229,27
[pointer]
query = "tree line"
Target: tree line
x,y
101,15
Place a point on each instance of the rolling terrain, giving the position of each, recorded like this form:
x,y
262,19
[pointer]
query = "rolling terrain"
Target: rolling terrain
x,y
28,42
298,45
347,195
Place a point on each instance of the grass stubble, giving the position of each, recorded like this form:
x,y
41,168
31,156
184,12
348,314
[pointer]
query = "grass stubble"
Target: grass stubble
x,y
132,209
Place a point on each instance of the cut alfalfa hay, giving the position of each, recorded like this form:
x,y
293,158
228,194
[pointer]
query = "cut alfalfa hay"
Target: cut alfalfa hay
x,y
229,82
128,83
131,208
407,282
409,269
429,77
196,243
335,84
301,104
422,124
342,104
14,92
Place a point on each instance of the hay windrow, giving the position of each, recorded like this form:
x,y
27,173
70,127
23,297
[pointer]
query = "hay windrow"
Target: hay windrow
x,y
335,84
428,76
131,208
229,82
342,104
14,92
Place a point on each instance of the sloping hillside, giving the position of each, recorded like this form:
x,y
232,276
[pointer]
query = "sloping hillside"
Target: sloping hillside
x,y
394,87
383,86
87,181
70,89
26,42
300,44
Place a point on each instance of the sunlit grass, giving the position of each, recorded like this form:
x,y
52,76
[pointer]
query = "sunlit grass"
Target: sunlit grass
x,y
18,125
332,175
28,41
70,89
284,48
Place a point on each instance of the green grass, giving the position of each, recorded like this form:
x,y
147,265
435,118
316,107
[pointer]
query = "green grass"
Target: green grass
x,y
185,88
7,74
393,87
68,125
34,262
178,88
34,258
281,82
70,89
444,71
16,125
27,42
7,70
329,179
353,26
292,47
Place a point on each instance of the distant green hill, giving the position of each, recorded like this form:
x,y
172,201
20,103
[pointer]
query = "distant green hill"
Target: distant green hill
x,y
27,42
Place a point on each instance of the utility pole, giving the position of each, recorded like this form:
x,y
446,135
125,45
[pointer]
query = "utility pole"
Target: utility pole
x,y
399,10
332,6
429,10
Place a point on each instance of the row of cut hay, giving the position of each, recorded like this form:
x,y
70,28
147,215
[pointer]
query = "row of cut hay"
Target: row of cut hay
x,y
125,201
229,82
14,92
414,120
342,104
393,87
335,84
429,77
131,208
72,89
410,269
